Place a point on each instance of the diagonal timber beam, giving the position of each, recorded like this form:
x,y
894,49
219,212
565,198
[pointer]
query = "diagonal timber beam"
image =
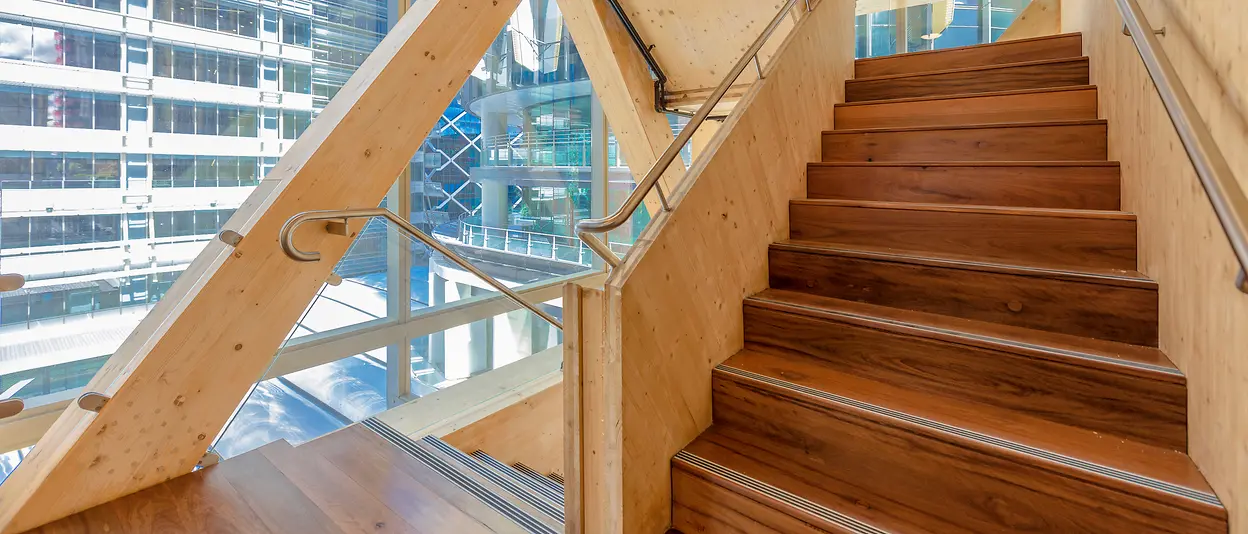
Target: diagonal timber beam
x,y
622,80
175,381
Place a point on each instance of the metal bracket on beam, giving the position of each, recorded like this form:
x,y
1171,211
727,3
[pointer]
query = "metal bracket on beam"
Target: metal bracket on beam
x,y
11,282
338,228
1242,281
1127,31
334,280
209,459
92,401
230,237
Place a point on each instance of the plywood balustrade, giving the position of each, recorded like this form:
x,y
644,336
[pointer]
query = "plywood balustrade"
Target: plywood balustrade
x,y
175,381
1204,319
674,310
1041,17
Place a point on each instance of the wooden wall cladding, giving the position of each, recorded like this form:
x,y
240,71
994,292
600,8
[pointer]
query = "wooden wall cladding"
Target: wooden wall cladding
x,y
528,432
1203,317
674,309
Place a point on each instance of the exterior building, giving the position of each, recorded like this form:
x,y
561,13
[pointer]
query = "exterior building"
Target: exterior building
x,y
934,26
130,131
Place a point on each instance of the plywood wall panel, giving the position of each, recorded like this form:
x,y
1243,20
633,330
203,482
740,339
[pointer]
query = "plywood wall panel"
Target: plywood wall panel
x,y
1204,319
674,309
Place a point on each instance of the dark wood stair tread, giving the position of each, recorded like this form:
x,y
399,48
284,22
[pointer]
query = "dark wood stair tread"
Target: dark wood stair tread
x,y
1060,72
961,96
775,479
1029,124
1093,457
1136,360
1112,277
1066,45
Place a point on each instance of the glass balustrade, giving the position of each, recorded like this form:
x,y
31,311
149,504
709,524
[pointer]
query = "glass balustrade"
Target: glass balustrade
x,y
931,25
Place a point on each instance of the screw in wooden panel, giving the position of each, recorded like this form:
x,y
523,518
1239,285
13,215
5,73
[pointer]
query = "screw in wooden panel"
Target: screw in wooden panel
x,y
230,237
1015,306
92,401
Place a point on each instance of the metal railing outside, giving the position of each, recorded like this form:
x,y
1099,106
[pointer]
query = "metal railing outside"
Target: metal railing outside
x,y
1215,174
539,245
337,223
587,228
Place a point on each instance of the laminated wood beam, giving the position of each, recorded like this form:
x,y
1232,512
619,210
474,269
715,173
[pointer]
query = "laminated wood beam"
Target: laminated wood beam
x,y
622,80
175,381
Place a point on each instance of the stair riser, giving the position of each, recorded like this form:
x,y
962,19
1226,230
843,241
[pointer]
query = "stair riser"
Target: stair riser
x,y
976,486
1005,78
1096,243
1025,107
1064,142
1148,411
1102,311
1089,188
1065,46
700,505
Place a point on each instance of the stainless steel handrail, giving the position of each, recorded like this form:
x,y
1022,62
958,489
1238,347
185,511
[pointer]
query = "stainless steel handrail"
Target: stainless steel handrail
x,y
1229,203
587,228
338,225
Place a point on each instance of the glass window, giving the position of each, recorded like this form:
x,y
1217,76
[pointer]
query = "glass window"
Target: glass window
x,y
206,66
15,232
205,171
46,231
108,5
14,170
107,112
46,45
48,170
78,48
15,105
78,229
227,171
183,118
107,228
183,223
47,305
108,52
247,22
162,60
184,11
78,112
162,171
162,116
296,30
206,15
13,308
294,123
183,63
248,123
15,40
136,109
163,224
248,72
136,225
162,10
270,70
227,19
206,222
227,69
227,120
183,171
247,169
205,119
78,170
108,170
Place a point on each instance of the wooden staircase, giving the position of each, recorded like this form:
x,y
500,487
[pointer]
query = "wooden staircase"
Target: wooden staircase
x,y
955,338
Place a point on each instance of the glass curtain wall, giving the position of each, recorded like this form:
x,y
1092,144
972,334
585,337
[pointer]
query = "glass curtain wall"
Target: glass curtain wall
x,y
935,25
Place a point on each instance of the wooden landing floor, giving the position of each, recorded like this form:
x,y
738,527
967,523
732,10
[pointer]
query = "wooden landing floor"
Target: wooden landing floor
x,y
351,481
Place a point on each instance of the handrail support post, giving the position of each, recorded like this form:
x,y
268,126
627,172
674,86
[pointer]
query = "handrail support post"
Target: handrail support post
x,y
337,227
658,188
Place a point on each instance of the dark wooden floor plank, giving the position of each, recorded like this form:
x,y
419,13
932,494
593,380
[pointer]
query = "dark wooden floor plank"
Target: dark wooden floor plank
x,y
352,508
421,496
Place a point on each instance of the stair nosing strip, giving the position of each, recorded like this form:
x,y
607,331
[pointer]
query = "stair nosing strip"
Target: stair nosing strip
x,y
542,479
468,461
979,209
1082,465
490,498
974,126
773,492
1074,276
980,337
967,163
519,477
